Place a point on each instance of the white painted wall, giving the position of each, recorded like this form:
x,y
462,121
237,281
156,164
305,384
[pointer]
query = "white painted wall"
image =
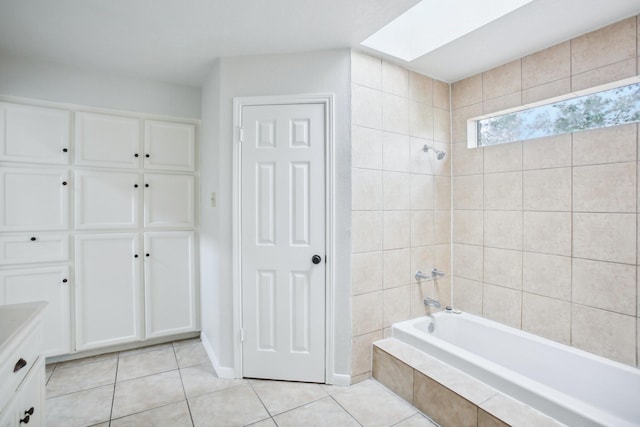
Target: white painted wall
x,y
316,72
29,78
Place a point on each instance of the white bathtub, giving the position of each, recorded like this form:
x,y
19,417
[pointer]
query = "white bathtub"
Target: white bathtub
x,y
574,387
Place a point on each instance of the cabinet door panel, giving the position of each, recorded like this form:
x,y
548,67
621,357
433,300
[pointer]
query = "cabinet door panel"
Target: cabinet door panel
x,y
169,201
43,284
34,199
33,247
107,200
170,299
107,303
34,134
107,141
169,145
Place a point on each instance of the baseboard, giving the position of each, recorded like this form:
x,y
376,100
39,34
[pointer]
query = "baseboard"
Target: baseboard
x,y
221,371
339,379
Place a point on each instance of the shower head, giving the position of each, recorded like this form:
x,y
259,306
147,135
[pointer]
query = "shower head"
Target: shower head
x,y
439,153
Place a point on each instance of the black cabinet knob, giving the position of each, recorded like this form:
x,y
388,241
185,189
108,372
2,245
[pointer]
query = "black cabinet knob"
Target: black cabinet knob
x,y
147,156
136,155
30,411
146,185
33,239
19,365
135,256
147,255
64,150
64,182
135,185
64,280
316,259
25,420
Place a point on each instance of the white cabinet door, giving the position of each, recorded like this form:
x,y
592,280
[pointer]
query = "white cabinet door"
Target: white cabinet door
x,y
107,200
33,247
34,199
169,200
107,141
169,283
107,294
50,284
34,134
169,145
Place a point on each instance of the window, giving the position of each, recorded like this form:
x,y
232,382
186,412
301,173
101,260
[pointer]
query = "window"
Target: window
x,y
601,108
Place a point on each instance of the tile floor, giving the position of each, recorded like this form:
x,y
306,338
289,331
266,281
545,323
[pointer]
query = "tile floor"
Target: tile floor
x,y
174,385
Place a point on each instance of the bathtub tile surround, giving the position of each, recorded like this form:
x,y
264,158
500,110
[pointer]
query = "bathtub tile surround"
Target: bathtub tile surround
x,y
401,198
545,232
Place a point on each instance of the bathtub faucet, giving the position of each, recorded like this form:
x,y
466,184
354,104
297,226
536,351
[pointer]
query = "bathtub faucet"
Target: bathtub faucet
x,y
434,274
430,302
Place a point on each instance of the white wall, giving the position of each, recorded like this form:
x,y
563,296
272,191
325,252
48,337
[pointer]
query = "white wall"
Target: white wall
x,y
326,72
29,78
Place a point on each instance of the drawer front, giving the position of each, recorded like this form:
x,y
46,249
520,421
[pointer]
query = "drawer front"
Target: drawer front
x,y
19,362
34,247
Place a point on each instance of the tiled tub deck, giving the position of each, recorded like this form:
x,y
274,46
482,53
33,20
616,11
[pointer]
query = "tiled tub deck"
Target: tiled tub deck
x,y
445,394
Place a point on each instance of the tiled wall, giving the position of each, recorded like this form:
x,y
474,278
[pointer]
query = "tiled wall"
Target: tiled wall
x,y
401,199
545,231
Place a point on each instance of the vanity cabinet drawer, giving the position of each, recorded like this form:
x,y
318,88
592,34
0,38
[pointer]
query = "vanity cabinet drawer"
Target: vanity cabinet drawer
x,y
35,247
17,363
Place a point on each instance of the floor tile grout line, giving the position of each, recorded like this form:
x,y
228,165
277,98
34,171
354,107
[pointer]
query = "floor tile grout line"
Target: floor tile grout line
x,y
115,382
346,410
184,390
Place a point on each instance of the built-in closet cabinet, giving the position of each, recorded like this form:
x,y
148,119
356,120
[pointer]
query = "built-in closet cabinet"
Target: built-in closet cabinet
x,y
99,220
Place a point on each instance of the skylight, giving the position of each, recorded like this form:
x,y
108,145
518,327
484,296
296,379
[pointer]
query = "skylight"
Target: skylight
x,y
433,23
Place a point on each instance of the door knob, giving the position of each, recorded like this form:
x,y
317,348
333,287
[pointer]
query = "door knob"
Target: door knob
x,y
316,259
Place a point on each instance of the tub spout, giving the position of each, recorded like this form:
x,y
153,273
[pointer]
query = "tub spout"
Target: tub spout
x,y
430,302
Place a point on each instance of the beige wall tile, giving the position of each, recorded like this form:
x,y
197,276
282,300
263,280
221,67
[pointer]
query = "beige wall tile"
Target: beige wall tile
x,y
396,152
367,313
366,272
467,295
503,229
547,190
468,227
366,70
605,145
422,192
608,74
502,80
605,285
503,157
547,232
361,350
442,192
605,188
366,148
418,293
393,374
396,191
395,79
441,167
420,88
422,231
487,420
502,305
467,192
536,309
608,45
396,268
441,404
607,334
420,120
366,231
516,413
366,193
441,95
355,379
605,237
395,305
546,91
395,114
396,229
466,161
442,225
441,125
503,191
420,161
503,102
466,92
467,261
366,107
442,258
459,121
422,258
547,275
503,267
549,152
547,65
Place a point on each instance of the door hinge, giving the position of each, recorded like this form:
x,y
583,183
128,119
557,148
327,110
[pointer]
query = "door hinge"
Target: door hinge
x,y
241,334
240,134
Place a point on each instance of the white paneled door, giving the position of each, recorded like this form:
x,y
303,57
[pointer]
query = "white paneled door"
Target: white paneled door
x,y
283,241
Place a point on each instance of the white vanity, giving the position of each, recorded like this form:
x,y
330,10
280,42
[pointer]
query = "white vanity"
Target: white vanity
x,y
22,372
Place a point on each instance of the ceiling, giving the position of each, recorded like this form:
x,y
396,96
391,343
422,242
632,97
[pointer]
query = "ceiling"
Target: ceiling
x,y
177,40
